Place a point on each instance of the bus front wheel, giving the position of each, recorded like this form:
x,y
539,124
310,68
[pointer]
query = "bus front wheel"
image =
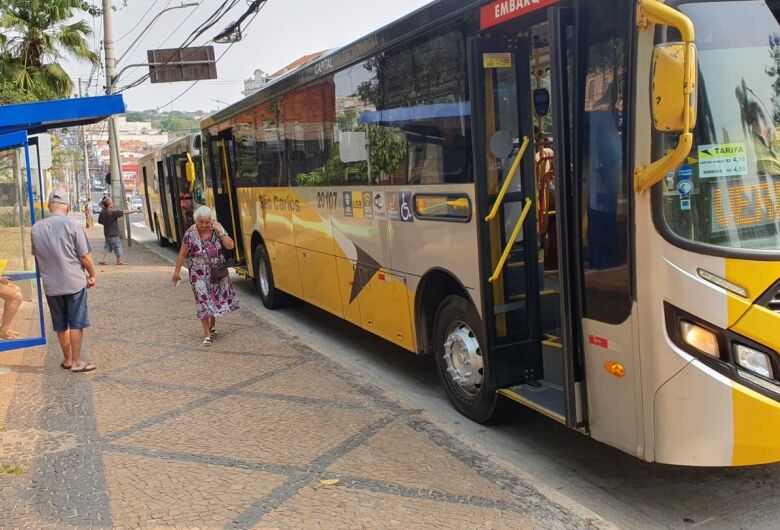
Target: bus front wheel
x,y
461,360
271,297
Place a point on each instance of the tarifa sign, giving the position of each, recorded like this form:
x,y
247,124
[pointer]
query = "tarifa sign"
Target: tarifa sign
x,y
502,10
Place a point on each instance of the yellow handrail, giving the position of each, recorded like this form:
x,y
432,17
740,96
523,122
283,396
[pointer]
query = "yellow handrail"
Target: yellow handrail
x,y
507,181
236,235
511,242
659,13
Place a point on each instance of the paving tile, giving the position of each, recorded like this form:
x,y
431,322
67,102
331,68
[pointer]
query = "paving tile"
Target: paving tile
x,y
119,406
154,493
207,370
256,430
338,507
312,381
401,455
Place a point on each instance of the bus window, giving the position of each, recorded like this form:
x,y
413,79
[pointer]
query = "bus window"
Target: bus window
x,y
245,145
355,94
605,177
270,146
308,116
421,130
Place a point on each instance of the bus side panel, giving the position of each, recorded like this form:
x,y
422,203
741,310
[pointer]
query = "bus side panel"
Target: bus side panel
x,y
347,276
284,266
311,219
274,211
319,280
384,305
418,245
314,240
360,232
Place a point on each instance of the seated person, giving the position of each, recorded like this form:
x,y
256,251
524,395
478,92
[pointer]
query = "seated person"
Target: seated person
x,y
12,298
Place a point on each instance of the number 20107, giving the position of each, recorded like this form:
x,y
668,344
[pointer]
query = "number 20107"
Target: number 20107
x,y
326,199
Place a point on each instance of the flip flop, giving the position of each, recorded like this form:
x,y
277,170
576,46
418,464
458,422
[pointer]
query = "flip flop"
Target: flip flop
x,y
87,368
62,365
102,263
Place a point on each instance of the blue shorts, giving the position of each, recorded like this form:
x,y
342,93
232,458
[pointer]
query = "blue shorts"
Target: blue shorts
x,y
113,244
69,311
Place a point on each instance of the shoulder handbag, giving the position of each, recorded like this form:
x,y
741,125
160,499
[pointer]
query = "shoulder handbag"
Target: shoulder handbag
x,y
219,272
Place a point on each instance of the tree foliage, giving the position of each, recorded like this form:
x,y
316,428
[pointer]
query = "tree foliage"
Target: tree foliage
x,y
178,124
36,36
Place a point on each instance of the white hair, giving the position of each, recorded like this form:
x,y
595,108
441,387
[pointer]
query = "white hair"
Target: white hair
x,y
203,211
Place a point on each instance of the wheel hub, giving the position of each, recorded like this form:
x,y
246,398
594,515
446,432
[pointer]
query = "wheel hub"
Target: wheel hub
x,y
265,286
463,356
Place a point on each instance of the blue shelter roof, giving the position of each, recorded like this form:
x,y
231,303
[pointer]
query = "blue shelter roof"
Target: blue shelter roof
x,y
42,116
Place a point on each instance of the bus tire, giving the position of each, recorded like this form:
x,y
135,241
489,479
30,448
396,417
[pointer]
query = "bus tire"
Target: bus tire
x,y
271,297
462,362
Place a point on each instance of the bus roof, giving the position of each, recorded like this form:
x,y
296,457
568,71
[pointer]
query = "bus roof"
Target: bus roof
x,y
429,15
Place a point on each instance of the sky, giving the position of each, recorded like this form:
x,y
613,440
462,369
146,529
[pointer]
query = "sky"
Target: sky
x,y
283,31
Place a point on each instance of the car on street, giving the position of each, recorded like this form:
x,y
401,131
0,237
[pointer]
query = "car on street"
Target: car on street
x,y
137,204
95,206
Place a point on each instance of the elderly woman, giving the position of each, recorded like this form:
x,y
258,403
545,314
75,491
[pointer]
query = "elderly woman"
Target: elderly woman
x,y
202,249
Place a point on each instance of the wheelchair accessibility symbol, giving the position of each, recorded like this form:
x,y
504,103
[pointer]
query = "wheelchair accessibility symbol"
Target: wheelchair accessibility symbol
x,y
405,206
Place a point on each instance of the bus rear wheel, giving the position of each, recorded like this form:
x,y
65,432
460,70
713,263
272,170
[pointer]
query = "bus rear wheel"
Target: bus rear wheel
x,y
461,361
272,298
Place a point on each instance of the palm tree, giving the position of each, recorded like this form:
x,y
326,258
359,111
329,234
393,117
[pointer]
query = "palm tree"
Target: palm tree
x,y
36,35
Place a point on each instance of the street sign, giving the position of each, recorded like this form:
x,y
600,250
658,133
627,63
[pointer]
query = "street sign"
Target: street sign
x,y
182,64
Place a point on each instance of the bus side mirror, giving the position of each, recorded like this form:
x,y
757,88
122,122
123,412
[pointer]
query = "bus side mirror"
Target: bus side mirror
x,y
669,75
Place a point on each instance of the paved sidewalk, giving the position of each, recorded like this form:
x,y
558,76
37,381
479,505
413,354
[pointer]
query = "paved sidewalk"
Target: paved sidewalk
x,y
258,431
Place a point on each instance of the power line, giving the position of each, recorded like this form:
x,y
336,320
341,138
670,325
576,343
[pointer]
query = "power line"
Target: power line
x,y
140,20
179,26
217,60
215,17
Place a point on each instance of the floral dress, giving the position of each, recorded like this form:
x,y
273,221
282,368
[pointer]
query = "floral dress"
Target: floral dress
x,y
211,299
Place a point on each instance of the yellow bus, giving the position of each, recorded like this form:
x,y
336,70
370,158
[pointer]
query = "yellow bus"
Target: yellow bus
x,y
170,190
570,204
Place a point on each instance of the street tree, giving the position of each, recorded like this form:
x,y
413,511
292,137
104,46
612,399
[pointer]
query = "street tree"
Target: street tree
x,y
36,36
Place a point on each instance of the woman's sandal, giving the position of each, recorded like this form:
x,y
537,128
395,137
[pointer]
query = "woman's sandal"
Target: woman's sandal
x,y
207,341
214,332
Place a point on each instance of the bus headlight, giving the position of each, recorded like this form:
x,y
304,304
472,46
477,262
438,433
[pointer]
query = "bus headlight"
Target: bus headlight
x,y
702,339
753,360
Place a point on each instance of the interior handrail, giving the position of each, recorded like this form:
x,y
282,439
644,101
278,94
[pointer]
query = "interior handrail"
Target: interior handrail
x,y
511,242
229,187
507,181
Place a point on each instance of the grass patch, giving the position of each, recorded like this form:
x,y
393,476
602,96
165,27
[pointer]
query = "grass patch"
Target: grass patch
x,y
12,469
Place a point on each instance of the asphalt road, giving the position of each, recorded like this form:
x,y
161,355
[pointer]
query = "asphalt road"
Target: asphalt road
x,y
614,485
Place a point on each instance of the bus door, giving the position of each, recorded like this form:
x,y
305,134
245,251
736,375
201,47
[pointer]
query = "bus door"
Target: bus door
x,y
222,162
166,231
181,196
172,183
520,80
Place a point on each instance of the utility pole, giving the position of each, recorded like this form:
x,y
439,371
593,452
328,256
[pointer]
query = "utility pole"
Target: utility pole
x,y
87,179
117,191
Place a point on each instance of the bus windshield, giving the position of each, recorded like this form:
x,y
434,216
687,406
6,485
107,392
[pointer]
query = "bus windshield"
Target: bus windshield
x,y
728,192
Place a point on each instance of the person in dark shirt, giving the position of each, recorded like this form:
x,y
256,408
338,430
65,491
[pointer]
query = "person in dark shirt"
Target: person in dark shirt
x,y
108,218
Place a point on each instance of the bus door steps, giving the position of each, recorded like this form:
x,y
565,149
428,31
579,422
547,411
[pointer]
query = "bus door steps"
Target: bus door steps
x,y
241,271
547,398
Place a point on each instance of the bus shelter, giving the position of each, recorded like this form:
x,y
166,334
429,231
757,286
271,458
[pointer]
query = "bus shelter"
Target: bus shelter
x,y
18,270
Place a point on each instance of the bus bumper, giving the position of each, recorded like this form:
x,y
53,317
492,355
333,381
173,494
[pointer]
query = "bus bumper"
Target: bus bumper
x,y
703,418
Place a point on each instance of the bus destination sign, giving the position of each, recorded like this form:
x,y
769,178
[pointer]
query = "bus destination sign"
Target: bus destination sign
x,y
500,11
